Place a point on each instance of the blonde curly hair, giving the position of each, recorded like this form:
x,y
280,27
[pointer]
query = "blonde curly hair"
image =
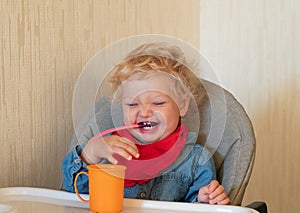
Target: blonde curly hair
x,y
161,57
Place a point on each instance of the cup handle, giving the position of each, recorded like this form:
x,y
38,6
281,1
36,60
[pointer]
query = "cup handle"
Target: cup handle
x,y
75,186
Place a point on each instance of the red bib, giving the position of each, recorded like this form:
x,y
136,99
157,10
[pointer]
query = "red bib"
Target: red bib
x,y
153,158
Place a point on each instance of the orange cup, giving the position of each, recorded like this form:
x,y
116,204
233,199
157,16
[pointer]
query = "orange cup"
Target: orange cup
x,y
106,187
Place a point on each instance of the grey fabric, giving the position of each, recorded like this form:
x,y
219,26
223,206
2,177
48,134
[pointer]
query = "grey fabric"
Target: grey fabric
x,y
225,129
234,154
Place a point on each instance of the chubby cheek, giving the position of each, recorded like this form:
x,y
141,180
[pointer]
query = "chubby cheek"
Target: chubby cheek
x,y
129,117
168,122
172,124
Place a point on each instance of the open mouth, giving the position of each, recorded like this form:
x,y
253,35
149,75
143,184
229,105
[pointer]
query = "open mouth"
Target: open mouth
x,y
147,124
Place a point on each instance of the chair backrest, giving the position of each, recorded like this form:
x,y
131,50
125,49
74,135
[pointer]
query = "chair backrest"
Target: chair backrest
x,y
227,132
225,129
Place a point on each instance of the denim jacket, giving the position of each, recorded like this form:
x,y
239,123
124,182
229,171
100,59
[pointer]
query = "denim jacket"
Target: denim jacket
x,y
191,171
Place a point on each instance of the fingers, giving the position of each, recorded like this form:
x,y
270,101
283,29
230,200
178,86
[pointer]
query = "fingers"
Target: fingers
x,y
215,189
224,201
124,147
111,159
217,194
106,147
221,199
213,193
130,147
121,146
203,194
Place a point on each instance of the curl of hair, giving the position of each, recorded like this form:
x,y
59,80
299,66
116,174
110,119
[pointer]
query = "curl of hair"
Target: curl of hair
x,y
159,57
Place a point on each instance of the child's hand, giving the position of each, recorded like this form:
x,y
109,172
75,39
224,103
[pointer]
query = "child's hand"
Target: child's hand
x,y
213,193
106,146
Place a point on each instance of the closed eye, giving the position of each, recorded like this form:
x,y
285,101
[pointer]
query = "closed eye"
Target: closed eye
x,y
131,104
159,103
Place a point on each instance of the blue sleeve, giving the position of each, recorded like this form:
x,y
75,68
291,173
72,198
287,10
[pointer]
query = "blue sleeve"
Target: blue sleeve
x,y
204,173
71,165
97,120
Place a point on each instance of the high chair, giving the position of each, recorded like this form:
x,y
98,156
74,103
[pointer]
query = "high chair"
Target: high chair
x,y
225,129
225,120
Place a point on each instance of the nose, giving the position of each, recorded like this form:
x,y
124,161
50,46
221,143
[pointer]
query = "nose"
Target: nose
x,y
146,110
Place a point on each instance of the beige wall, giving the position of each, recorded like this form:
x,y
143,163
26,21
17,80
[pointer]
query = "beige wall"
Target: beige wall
x,y
254,47
43,47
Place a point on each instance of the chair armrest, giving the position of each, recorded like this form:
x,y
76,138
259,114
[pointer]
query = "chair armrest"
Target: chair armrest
x,y
259,206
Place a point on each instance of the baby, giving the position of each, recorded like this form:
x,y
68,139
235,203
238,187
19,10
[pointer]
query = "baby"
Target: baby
x,y
156,91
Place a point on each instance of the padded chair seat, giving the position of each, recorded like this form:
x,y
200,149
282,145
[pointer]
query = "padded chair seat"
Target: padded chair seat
x,y
225,129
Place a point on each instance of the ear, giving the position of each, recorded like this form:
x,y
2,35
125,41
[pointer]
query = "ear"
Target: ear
x,y
184,105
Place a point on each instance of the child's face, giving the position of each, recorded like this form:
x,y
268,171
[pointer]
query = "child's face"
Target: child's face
x,y
142,103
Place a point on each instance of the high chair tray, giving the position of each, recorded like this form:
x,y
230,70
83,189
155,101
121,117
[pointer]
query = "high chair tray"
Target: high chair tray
x,y
26,199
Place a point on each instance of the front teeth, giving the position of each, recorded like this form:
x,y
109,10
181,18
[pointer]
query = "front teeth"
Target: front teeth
x,y
148,127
